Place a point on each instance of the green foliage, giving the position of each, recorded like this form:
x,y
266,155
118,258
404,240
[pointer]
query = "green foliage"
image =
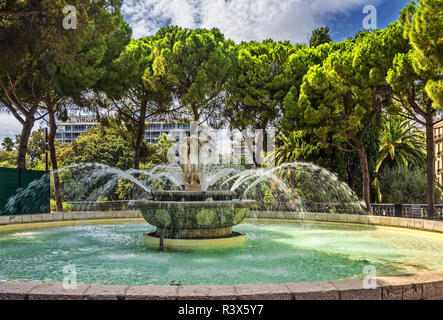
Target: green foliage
x,y
193,65
296,67
156,154
324,94
340,100
124,190
130,98
8,144
401,144
319,36
344,94
42,64
423,28
68,59
294,147
416,74
67,207
131,62
419,68
258,84
122,126
36,144
403,185
8,159
99,145
162,147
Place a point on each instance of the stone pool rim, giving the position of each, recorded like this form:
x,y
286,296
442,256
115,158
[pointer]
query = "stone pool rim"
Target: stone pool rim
x,y
424,285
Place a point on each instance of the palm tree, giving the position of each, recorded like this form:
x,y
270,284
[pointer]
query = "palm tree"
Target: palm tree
x,y
292,148
8,144
164,143
401,143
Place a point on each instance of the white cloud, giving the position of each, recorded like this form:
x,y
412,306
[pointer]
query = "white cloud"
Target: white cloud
x,y
238,19
9,126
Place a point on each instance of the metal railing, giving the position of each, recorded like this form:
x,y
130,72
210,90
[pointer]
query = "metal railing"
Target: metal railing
x,y
101,205
406,210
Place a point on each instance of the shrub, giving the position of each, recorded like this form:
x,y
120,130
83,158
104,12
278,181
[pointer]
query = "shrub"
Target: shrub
x,y
404,185
67,207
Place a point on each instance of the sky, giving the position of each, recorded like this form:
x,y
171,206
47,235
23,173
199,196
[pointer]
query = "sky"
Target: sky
x,y
245,20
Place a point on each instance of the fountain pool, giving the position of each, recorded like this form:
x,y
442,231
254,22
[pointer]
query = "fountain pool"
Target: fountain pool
x,y
274,253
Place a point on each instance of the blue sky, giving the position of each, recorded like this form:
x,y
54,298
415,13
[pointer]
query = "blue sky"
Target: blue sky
x,y
347,24
241,20
244,20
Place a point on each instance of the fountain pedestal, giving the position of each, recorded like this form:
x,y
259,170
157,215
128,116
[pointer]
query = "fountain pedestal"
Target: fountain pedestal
x,y
187,219
192,187
152,240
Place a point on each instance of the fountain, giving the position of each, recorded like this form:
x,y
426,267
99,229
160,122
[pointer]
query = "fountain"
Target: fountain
x,y
193,217
195,200
196,203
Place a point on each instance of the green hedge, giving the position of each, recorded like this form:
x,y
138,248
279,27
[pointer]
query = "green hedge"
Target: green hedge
x,y
67,207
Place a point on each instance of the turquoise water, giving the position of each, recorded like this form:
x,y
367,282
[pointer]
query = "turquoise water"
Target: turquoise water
x,y
274,253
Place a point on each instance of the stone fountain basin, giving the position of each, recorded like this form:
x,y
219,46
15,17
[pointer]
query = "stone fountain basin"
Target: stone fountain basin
x,y
187,195
196,215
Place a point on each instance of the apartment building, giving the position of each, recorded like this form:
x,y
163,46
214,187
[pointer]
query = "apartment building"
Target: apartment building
x,y
68,131
72,129
227,144
155,130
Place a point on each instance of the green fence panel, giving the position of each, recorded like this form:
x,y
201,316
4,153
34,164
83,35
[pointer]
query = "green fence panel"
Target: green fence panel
x,y
9,183
29,189
37,199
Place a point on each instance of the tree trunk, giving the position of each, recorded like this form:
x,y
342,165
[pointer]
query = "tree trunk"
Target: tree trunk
x,y
24,139
250,143
365,173
242,150
53,157
140,135
264,138
430,168
195,113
